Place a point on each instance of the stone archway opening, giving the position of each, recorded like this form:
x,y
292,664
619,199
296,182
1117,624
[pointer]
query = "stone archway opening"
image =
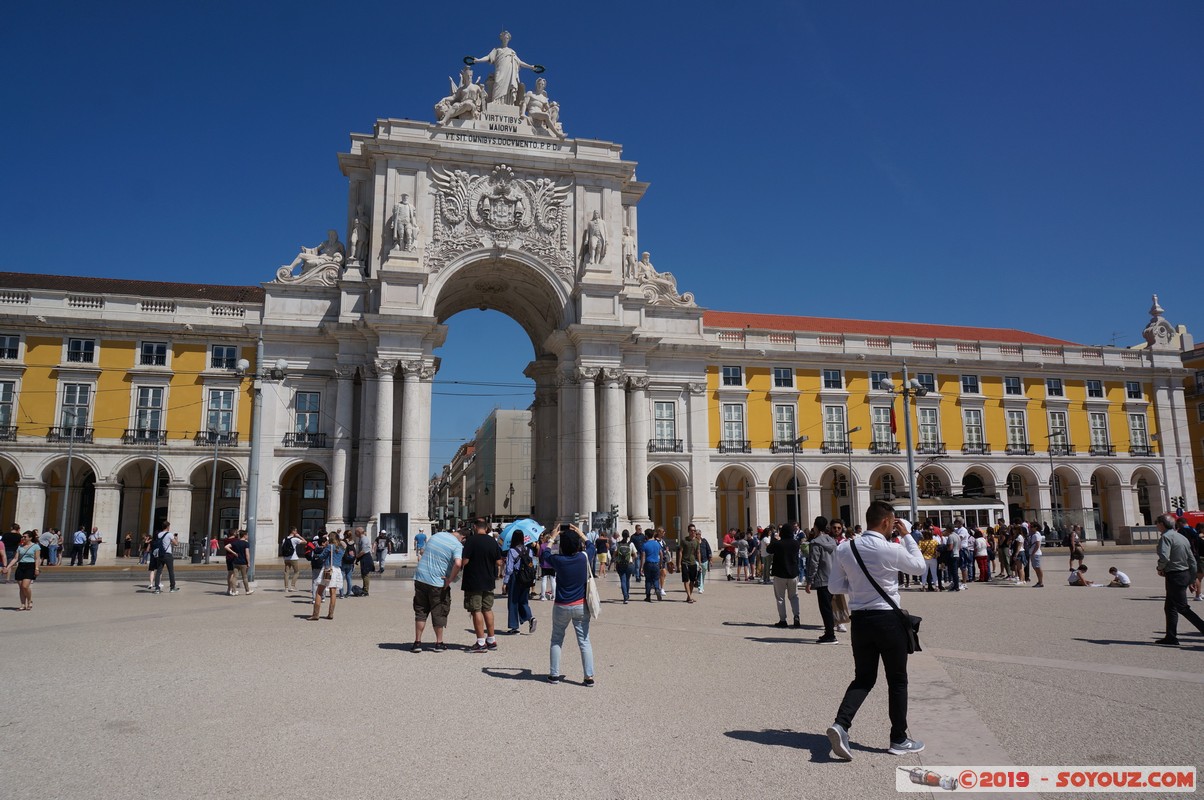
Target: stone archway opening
x,y
142,510
787,495
304,494
733,502
666,501
9,475
216,508
80,495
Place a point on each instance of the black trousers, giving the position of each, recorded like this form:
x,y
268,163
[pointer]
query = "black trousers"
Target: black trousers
x,y
1176,602
878,635
824,598
952,563
170,563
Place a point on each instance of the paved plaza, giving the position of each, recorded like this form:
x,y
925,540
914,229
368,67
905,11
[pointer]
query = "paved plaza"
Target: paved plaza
x,y
118,693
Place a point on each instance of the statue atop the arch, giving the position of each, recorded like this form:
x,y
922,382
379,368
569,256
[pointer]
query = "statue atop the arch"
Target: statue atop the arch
x,y
541,112
504,85
660,288
628,254
359,237
466,101
322,263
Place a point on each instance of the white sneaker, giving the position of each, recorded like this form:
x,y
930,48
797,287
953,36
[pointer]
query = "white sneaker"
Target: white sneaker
x,y
234,593
250,591
842,628
700,591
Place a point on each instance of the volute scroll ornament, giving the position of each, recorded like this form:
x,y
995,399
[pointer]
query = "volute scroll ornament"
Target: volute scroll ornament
x,y
612,376
639,383
696,388
659,288
587,374
384,366
344,372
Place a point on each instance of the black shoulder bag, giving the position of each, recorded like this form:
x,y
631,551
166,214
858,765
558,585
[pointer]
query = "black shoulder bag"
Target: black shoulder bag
x,y
911,623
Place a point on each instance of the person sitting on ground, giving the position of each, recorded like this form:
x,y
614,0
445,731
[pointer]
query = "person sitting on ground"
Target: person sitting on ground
x,y
1119,579
1078,577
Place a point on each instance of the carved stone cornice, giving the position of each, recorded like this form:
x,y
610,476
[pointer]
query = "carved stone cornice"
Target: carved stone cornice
x,y
696,388
639,383
384,367
587,374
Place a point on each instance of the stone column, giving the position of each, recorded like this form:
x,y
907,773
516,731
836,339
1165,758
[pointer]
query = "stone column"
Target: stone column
x,y
811,497
637,452
337,513
567,445
31,504
545,452
760,506
383,439
612,438
179,508
587,424
106,515
1085,503
415,444
364,509
701,510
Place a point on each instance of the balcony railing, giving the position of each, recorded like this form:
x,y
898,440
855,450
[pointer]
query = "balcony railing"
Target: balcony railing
x,y
1103,450
143,436
735,446
219,438
1061,449
784,446
68,434
8,353
81,357
1019,449
303,439
8,433
884,448
839,446
664,446
1141,450
153,360
976,449
931,448
221,362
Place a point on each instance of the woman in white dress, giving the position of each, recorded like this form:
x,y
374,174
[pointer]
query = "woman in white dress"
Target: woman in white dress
x,y
329,579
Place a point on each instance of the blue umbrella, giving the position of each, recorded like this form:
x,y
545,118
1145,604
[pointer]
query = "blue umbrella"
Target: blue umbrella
x,y
529,528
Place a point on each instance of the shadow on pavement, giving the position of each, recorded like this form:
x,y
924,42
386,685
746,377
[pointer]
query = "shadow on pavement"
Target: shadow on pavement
x,y
749,624
773,640
1141,643
815,743
513,674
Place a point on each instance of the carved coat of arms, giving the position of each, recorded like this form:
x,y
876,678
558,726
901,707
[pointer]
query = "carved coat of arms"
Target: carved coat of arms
x,y
501,210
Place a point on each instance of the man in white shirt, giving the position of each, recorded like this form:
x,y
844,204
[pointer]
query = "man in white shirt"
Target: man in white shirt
x,y
94,540
1119,579
878,630
1035,540
967,551
292,562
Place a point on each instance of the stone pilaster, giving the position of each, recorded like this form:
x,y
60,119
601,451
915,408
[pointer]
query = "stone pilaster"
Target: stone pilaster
x,y
337,513
612,440
637,451
587,424
382,459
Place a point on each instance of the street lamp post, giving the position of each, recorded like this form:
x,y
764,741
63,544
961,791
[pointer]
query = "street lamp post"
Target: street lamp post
x,y
852,484
909,388
215,434
794,446
1054,500
262,373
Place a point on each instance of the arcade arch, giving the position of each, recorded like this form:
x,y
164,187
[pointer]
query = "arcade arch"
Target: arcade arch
x,y
733,498
667,499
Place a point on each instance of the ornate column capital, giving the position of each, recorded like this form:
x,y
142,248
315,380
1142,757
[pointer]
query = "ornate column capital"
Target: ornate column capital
x,y
344,372
423,370
696,388
565,379
639,383
586,374
612,376
384,366
545,396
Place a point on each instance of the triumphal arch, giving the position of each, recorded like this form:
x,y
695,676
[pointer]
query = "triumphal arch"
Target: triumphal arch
x,y
493,204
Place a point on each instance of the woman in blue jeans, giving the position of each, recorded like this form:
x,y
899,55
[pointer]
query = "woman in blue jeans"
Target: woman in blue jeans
x,y
572,571
518,595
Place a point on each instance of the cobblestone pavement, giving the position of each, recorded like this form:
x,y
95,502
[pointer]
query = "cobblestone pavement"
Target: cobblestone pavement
x,y
118,693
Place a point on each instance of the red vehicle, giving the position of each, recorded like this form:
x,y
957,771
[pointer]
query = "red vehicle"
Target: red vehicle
x,y
1193,518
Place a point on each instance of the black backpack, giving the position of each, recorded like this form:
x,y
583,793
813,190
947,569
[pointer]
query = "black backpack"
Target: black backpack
x,y
525,575
287,548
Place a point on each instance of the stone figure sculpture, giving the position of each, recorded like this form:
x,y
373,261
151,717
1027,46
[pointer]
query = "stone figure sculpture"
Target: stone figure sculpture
x,y
628,254
595,240
541,112
405,225
359,236
322,263
506,64
467,100
660,288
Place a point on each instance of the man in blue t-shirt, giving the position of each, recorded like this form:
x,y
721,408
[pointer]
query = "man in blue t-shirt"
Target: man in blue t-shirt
x,y
420,542
652,551
439,566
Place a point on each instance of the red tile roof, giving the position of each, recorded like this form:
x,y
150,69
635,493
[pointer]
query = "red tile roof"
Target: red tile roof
x,y
919,330
91,285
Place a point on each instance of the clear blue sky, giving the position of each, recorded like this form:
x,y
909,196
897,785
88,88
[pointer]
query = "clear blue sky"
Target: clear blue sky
x,y
1022,164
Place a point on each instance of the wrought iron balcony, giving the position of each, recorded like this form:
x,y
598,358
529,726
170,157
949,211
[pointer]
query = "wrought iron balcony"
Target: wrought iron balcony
x,y
784,446
1020,449
1061,449
884,448
664,446
1103,450
70,434
840,446
976,449
80,356
219,438
1141,450
153,360
303,439
931,448
8,433
143,436
8,353
735,446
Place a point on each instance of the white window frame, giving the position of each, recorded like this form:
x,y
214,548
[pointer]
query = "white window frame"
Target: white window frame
x,y
1087,387
669,421
136,411
1142,428
315,415
880,425
1129,391
233,410
927,380
781,433
928,418
779,373
738,418
141,357
724,378
825,374
968,427
1099,433
876,378
977,384
62,404
67,350
8,419
836,421
213,356
1053,428
10,342
1010,416
1019,386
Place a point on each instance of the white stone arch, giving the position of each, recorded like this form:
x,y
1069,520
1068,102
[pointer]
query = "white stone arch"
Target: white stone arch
x,y
938,469
128,461
881,470
222,458
733,501
668,500
1111,496
990,481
